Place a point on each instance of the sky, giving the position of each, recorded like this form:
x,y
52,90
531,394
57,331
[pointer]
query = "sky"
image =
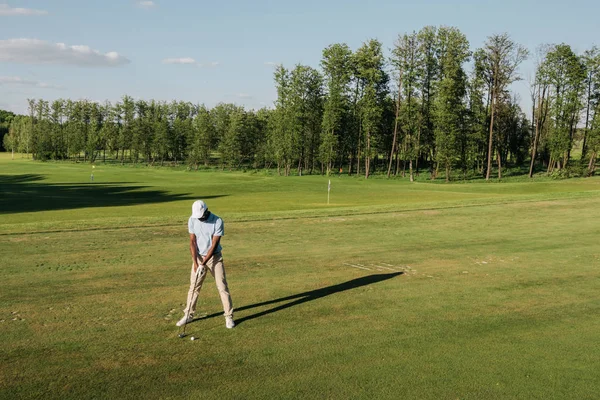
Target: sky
x,y
208,52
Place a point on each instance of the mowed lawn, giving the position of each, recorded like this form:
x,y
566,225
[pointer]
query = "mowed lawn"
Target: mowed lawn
x,y
394,290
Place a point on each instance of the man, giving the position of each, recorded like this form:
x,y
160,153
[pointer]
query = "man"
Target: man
x,y
206,230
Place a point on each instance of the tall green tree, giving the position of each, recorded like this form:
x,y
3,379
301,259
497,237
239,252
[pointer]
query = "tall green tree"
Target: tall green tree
x,y
337,68
305,115
370,68
408,61
230,146
204,137
541,107
501,58
450,109
427,82
591,59
566,75
282,129
127,109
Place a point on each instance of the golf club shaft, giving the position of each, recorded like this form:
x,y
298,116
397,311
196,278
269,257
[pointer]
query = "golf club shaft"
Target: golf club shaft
x,y
182,334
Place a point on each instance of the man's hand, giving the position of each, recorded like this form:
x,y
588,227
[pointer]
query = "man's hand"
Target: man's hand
x,y
199,262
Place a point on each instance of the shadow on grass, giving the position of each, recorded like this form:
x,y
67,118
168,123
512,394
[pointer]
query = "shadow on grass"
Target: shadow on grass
x,y
305,297
27,193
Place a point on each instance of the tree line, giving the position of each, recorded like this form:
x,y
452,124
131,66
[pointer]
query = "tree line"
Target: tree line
x,y
433,105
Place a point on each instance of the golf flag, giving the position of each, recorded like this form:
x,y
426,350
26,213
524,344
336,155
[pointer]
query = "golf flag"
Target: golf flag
x,y
328,190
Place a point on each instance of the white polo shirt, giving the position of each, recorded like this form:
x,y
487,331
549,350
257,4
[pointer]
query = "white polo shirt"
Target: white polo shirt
x,y
204,231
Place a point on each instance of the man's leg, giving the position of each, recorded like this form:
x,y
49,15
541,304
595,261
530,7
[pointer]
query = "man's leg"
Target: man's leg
x,y
195,286
217,269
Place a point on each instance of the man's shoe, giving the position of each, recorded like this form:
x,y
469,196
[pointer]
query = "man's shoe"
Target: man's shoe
x,y
186,319
229,322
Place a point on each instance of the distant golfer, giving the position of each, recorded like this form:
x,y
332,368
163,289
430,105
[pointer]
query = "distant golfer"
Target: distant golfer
x,y
206,230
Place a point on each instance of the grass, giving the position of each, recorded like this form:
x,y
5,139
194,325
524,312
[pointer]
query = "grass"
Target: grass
x,y
394,290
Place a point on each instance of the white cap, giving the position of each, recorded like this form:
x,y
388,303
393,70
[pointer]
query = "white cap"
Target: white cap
x,y
198,209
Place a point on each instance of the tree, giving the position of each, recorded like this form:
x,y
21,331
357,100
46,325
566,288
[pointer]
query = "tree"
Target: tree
x,y
230,146
591,144
566,77
10,140
427,82
264,150
204,132
407,60
370,64
541,111
127,109
281,123
500,59
6,118
305,108
478,113
337,68
591,59
42,144
94,141
450,110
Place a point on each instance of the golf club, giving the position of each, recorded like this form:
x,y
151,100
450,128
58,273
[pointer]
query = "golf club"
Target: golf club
x,y
181,335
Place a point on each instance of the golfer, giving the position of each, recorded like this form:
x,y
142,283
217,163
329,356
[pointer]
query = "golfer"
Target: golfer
x,y
206,230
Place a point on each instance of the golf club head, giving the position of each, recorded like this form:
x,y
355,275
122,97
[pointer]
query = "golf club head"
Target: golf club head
x,y
181,335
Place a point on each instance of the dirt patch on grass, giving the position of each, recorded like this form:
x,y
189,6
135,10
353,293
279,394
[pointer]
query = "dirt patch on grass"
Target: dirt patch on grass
x,y
431,212
19,239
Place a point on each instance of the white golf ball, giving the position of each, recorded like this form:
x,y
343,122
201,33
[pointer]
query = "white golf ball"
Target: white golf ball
x,y
192,338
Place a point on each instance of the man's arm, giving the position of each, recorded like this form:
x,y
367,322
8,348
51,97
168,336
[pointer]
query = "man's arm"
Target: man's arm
x,y
194,251
215,243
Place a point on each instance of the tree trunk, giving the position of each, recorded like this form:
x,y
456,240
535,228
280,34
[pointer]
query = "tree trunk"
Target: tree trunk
x,y
395,123
499,164
587,118
592,164
447,172
358,153
410,166
368,156
418,153
350,164
490,142
537,134
397,161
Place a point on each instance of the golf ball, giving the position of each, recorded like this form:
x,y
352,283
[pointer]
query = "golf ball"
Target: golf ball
x,y
192,338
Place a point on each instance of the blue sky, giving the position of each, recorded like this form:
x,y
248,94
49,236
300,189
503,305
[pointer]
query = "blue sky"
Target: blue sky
x,y
210,52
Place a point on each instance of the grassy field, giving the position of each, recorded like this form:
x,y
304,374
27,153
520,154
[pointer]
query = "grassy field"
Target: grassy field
x,y
394,290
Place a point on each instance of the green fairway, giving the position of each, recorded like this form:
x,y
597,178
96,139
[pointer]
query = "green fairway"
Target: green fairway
x,y
392,291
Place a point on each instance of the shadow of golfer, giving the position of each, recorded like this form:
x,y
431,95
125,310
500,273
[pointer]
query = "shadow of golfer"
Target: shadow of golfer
x,y
305,297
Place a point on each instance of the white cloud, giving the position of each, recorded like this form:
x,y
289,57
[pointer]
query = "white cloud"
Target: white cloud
x,y
146,4
244,96
34,51
16,80
6,10
184,60
272,64
189,61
